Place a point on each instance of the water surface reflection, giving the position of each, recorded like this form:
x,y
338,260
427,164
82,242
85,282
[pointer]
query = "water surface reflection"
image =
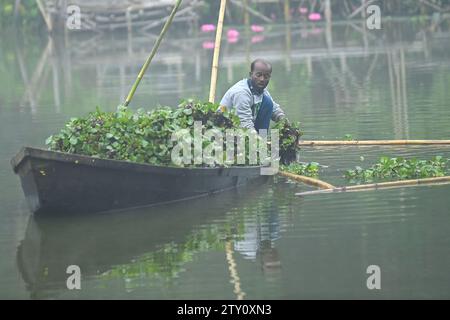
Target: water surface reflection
x,y
255,244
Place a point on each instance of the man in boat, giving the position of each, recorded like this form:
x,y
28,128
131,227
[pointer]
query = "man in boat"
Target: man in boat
x,y
253,102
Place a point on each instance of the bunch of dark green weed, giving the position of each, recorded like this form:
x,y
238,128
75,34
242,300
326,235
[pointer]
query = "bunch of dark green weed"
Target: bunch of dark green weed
x,y
290,134
190,111
400,168
310,169
206,113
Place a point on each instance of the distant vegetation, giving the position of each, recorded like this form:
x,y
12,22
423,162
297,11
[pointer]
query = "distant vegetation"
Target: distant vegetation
x,y
23,13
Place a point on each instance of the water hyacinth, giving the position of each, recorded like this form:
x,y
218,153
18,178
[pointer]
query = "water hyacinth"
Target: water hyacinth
x,y
310,169
290,134
143,136
400,168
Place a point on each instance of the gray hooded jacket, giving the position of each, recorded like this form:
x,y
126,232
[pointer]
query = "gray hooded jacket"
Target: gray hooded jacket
x,y
240,97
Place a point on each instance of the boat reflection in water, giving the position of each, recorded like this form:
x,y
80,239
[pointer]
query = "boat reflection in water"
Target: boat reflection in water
x,y
142,247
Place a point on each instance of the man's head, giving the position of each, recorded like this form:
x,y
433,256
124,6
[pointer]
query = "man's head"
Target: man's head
x,y
260,73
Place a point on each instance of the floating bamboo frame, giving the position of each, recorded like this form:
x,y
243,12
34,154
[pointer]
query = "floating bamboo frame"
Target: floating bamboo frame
x,y
372,143
382,185
307,180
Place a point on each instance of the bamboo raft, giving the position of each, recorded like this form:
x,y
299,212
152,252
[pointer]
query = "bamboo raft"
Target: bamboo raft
x,y
325,187
329,188
383,185
372,143
307,180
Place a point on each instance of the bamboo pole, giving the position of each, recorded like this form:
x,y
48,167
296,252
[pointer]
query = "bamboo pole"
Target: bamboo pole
x,y
246,14
361,8
215,65
16,10
45,15
383,185
432,5
152,54
307,180
329,26
287,11
252,11
372,142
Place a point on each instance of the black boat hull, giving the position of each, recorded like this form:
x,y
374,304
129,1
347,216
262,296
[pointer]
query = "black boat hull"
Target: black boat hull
x,y
56,182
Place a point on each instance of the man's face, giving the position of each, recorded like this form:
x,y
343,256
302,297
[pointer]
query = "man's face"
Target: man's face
x,y
261,75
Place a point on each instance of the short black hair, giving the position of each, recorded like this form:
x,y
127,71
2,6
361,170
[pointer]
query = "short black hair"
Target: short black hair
x,y
267,63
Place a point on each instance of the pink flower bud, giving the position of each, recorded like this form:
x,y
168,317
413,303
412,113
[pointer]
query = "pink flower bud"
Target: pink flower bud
x,y
232,33
208,45
208,28
315,16
303,10
256,28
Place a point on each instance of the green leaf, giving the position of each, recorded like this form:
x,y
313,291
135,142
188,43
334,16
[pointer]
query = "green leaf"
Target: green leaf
x,y
49,140
144,143
73,141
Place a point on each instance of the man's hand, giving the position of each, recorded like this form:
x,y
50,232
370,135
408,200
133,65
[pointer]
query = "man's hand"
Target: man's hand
x,y
283,118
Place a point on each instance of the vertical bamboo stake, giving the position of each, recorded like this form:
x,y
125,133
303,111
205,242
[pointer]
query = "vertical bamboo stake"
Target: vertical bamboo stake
x,y
328,18
152,54
287,11
45,15
247,32
215,65
16,10
246,14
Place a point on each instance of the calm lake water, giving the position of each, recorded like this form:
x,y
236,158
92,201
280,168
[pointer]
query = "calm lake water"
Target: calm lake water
x,y
259,243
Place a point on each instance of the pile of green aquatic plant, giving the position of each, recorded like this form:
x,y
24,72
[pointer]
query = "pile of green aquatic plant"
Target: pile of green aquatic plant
x,y
141,136
290,134
400,168
310,169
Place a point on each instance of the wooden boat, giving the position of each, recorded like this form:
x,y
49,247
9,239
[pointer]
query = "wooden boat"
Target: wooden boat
x,y
56,182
